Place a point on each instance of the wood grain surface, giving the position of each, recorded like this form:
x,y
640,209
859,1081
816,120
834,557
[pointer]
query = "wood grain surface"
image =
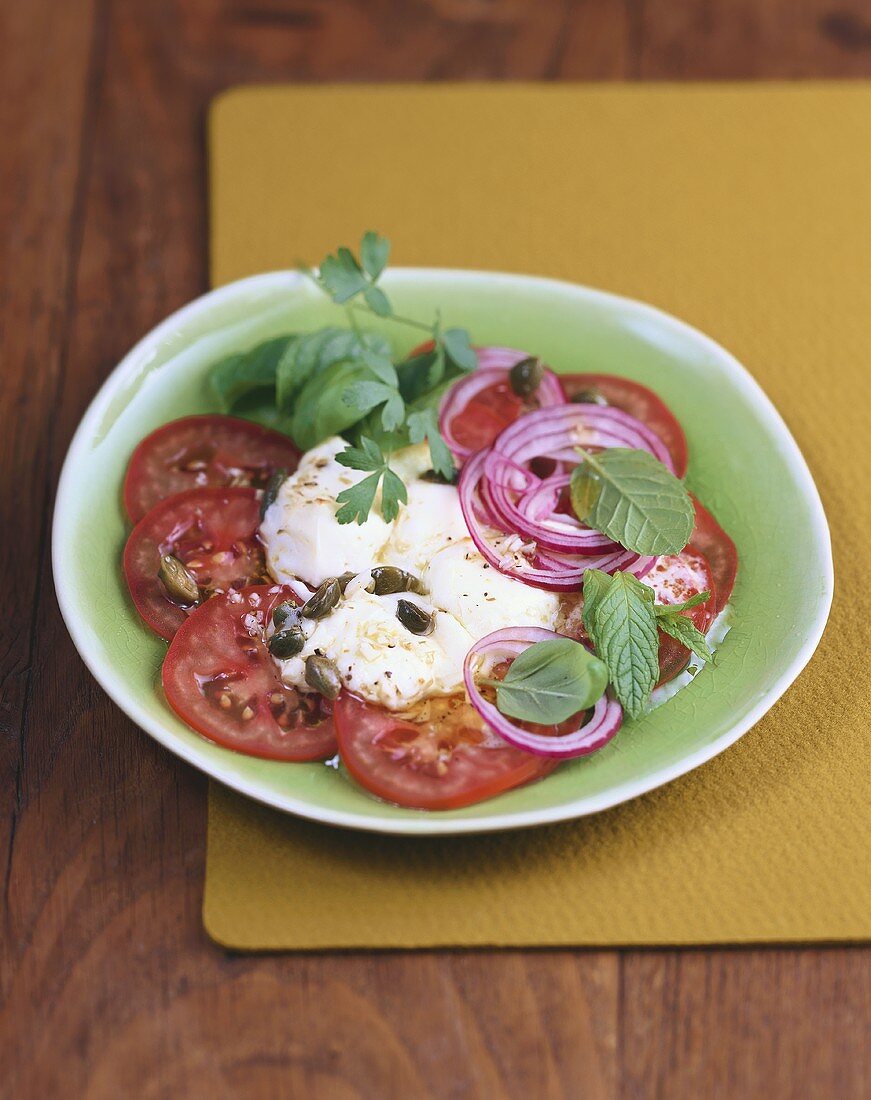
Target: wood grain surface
x,y
108,985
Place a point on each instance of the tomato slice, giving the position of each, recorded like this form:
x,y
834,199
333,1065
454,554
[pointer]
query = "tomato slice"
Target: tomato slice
x,y
213,532
201,451
675,578
639,402
439,757
711,540
219,677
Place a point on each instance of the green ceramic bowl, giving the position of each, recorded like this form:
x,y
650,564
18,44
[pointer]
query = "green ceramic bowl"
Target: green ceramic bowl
x,y
781,601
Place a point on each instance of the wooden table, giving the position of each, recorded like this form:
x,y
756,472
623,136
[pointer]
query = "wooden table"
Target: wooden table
x,y
109,986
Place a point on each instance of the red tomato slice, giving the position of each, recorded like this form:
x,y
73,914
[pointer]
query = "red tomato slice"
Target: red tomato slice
x,y
441,758
211,531
201,451
218,677
675,578
639,402
711,540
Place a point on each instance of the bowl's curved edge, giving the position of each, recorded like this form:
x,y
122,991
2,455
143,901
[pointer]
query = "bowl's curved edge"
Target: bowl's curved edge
x,y
432,824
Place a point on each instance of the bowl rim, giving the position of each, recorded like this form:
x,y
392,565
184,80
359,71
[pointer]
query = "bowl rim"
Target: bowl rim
x,y
429,823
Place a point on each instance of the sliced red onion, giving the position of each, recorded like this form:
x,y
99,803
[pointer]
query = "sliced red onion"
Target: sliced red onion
x,y
541,567
493,367
604,721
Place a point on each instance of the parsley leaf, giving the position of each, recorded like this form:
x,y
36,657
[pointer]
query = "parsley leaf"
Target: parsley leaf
x,y
365,396
374,252
459,349
357,500
633,499
424,424
342,277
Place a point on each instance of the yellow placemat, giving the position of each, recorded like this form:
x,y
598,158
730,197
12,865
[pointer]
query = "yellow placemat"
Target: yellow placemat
x,y
745,210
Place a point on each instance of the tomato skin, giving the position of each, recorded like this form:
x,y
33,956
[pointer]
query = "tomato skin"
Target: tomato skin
x,y
479,765
722,555
640,402
226,520
198,452
220,652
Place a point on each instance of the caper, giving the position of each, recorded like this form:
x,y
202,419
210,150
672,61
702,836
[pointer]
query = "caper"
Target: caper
x,y
322,674
387,579
270,491
525,377
414,618
590,396
344,580
180,584
286,643
322,601
285,613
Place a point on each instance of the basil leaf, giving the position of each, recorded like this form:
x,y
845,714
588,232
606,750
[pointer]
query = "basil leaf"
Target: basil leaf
x,y
684,630
320,410
632,498
550,681
237,376
622,627
307,356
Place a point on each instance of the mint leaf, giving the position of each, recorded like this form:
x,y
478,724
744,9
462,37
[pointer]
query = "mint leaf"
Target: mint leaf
x,y
668,609
596,584
633,499
393,492
622,627
550,681
374,252
357,500
459,349
377,301
684,630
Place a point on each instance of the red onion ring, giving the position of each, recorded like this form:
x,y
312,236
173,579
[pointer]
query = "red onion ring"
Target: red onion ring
x,y
494,363
545,568
604,721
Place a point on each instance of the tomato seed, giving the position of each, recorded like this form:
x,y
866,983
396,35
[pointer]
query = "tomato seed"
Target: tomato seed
x,y
224,700
247,713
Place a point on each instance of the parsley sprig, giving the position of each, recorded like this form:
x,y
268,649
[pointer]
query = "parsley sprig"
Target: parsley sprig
x,y
357,500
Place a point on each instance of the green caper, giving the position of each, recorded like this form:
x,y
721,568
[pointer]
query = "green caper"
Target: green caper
x,y
322,601
286,643
414,618
180,584
387,579
284,614
270,492
590,396
344,580
525,377
322,674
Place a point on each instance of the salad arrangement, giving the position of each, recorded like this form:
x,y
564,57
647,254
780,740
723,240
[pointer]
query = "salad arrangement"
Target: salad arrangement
x,y
455,570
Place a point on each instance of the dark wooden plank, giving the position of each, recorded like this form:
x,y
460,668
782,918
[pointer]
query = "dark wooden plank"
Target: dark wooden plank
x,y
109,986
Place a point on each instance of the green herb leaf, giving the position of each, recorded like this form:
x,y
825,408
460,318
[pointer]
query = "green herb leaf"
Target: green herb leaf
x,y
365,396
307,356
622,627
632,498
368,456
238,376
459,348
374,252
377,359
320,411
668,609
357,500
393,492
424,424
377,301
550,681
596,584
342,277
684,630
